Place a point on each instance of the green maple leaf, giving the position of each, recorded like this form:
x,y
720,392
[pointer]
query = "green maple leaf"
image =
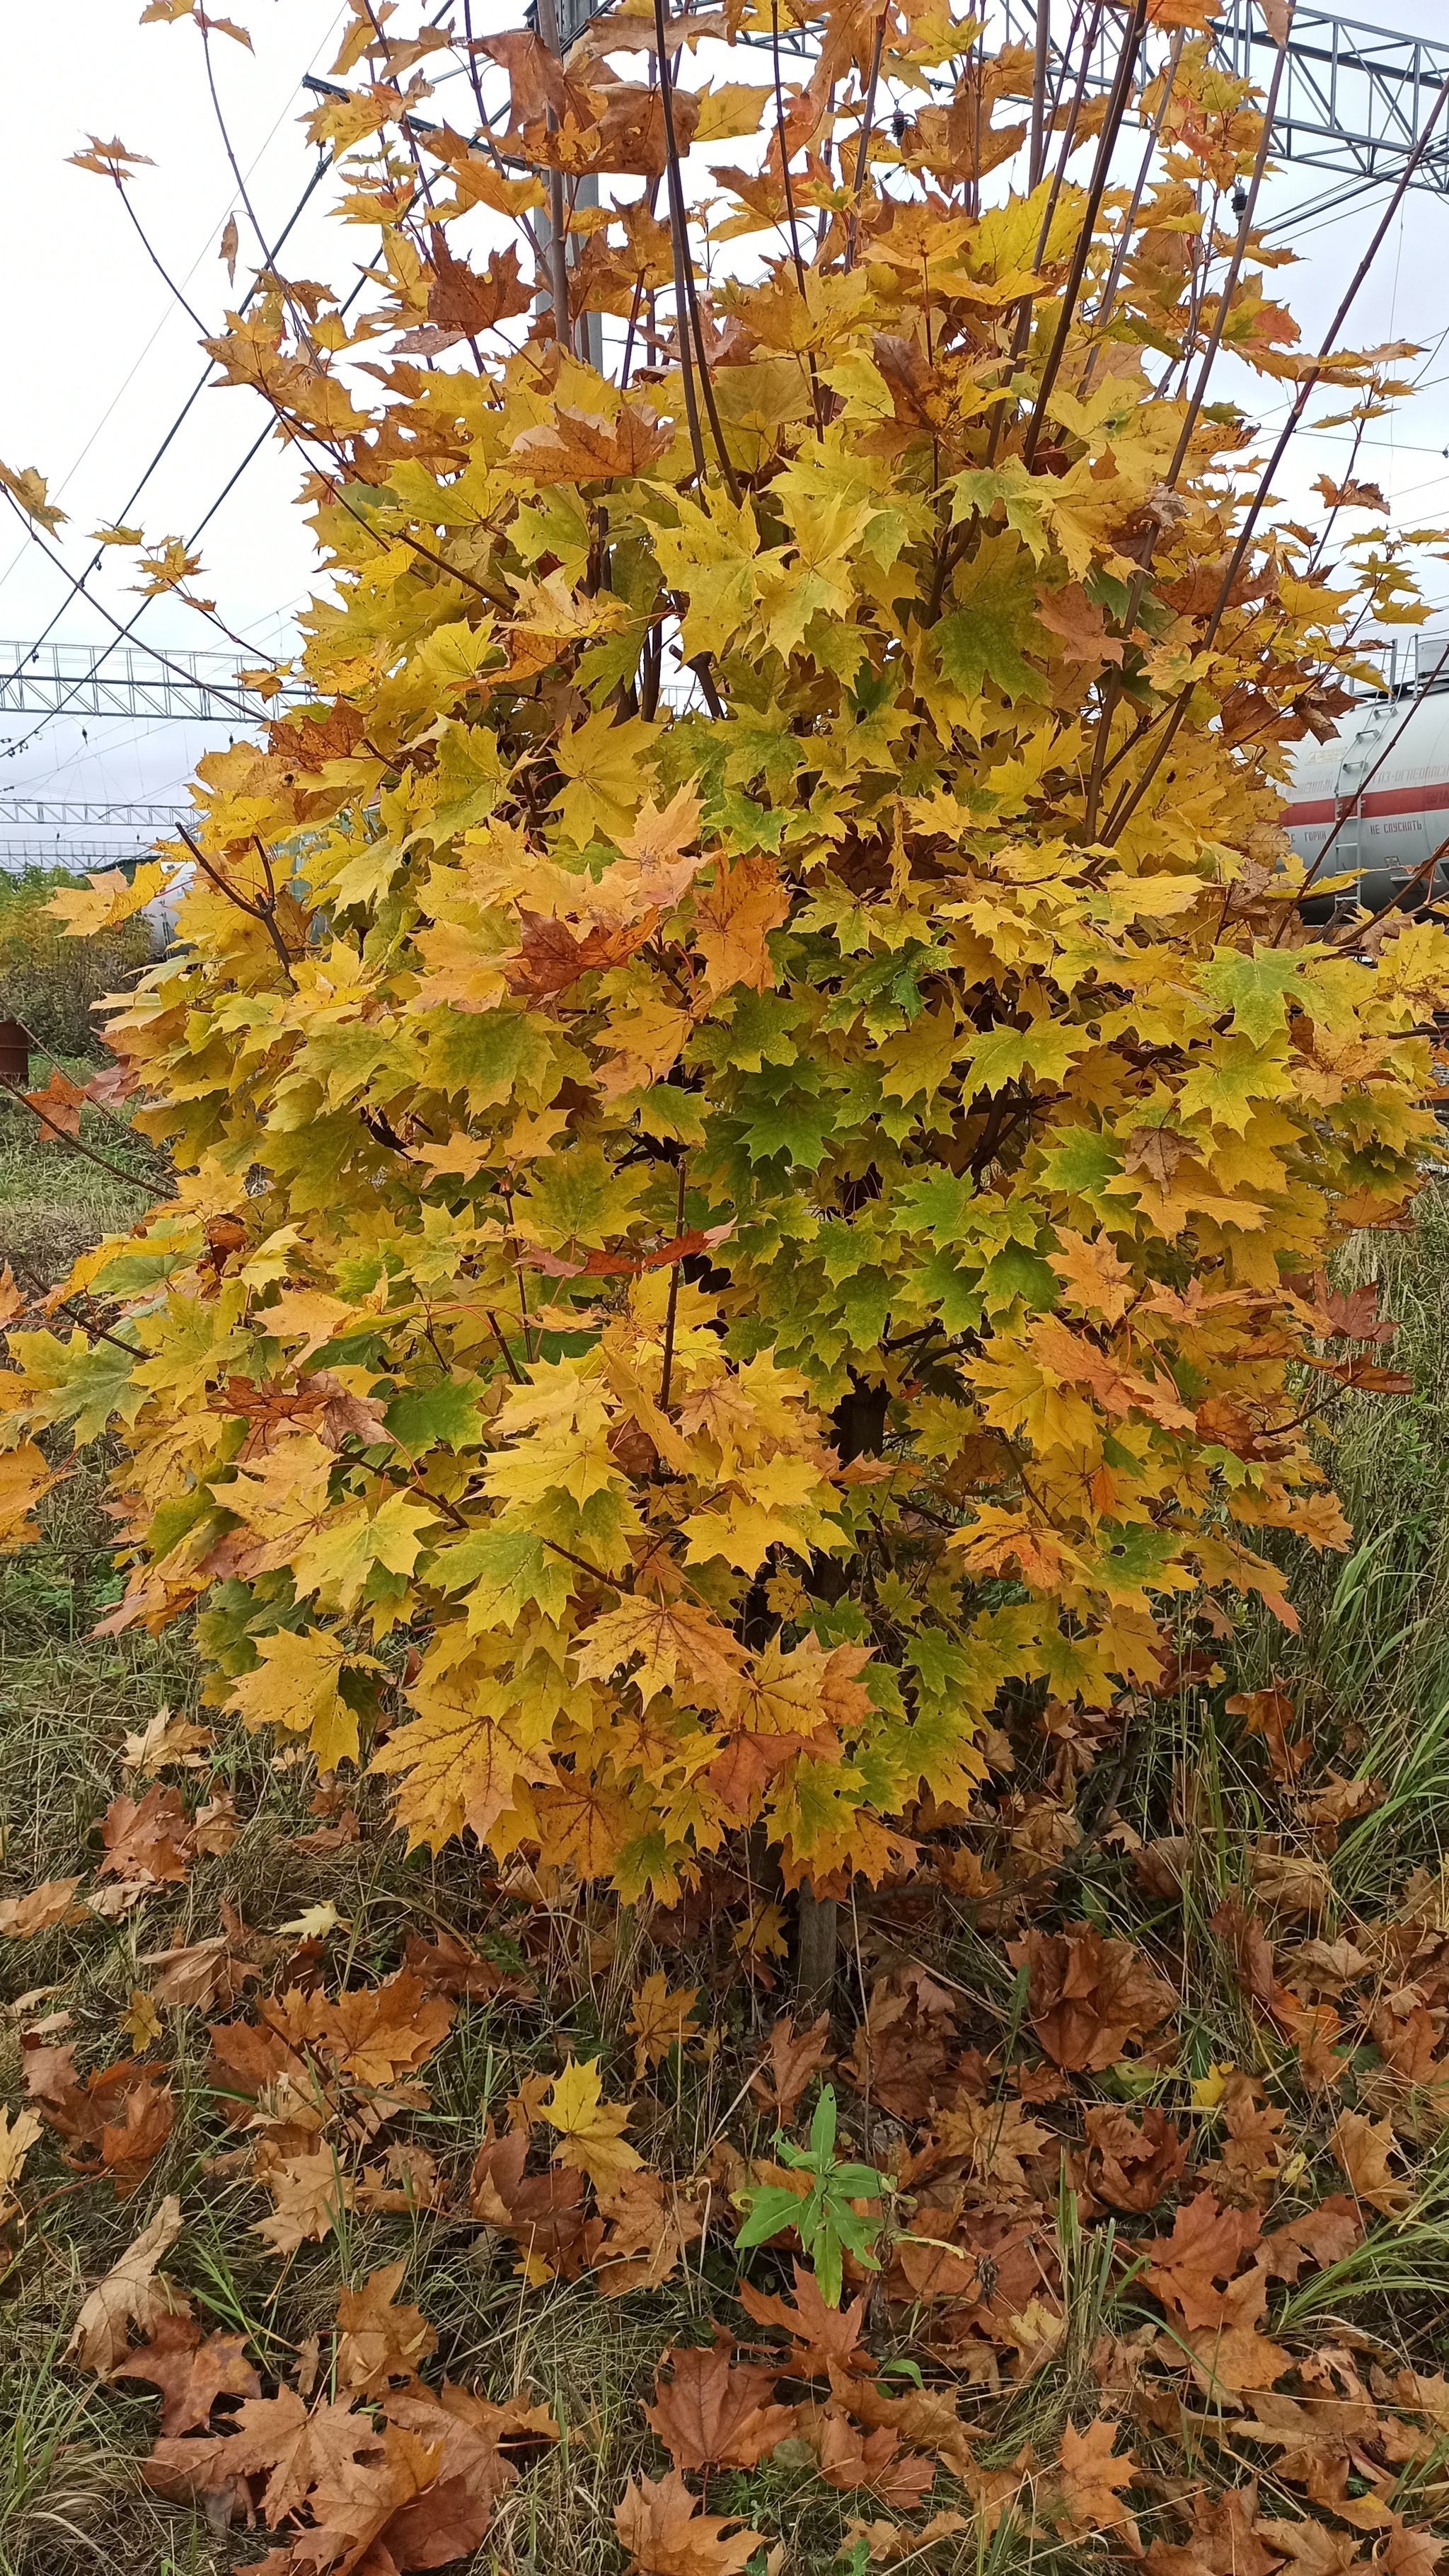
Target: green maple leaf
x,y
1081,1162
579,1197
488,1054
1229,1084
432,1417
865,1305
503,1571
1017,1271
954,1292
941,1205
984,638
1254,989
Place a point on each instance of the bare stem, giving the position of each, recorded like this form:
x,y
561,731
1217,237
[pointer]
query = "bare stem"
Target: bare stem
x,y
668,1369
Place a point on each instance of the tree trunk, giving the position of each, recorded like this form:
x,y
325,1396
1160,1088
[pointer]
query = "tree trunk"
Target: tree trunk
x,y
816,1940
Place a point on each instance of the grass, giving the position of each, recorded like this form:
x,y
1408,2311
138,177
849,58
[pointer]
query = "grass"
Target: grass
x,y
1371,1668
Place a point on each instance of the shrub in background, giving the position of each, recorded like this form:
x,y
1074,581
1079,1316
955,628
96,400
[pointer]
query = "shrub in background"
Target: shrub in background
x,y
50,982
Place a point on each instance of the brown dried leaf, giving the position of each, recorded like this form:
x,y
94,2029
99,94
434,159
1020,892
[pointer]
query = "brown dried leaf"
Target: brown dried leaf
x,y
650,2224
309,2194
659,2019
129,2295
150,1842
448,1967
190,2370
1271,1714
1092,2474
851,2460
376,2341
792,2058
708,2415
667,2533
1362,2147
579,447
819,2335
1088,1996
1223,2543
21,1917
168,1742
1129,2164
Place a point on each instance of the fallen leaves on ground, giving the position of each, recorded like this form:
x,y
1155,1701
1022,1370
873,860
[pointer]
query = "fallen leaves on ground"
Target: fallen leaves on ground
x,y
128,2295
1088,1996
709,2414
590,2130
396,2478
39,1910
667,2532
17,2137
190,2368
377,2341
659,2019
150,1842
117,2119
792,2057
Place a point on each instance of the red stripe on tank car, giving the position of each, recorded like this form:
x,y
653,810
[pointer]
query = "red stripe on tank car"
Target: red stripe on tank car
x,y
1407,800
1433,799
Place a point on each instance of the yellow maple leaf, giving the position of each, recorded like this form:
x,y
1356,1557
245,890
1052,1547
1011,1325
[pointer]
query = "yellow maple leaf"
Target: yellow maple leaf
x,y
111,899
141,2022
683,1649
297,1685
659,2019
462,1758
24,1476
591,2137
732,918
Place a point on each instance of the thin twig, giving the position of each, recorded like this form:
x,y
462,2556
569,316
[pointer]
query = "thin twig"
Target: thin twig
x,y
862,150
68,1306
1230,279
509,1362
679,245
147,1188
77,581
673,1307
1108,296
260,912
1086,230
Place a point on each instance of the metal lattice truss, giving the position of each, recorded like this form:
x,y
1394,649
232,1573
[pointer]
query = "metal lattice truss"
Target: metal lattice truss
x,y
40,811
78,680
1353,102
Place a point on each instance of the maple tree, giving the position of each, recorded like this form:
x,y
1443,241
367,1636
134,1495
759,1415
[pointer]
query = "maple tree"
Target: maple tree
x,y
739,1234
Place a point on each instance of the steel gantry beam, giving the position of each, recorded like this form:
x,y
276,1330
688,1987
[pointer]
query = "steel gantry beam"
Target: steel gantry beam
x,y
124,680
1353,101
144,816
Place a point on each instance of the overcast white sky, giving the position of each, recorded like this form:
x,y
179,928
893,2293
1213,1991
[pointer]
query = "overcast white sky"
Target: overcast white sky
x,y
102,355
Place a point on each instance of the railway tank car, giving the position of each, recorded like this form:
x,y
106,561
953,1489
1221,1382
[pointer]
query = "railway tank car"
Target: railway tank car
x,y
1383,780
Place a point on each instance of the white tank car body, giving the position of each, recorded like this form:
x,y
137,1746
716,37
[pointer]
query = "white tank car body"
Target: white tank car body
x,y
1384,781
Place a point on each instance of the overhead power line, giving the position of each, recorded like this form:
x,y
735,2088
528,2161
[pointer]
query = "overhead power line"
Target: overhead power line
x,y
79,580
